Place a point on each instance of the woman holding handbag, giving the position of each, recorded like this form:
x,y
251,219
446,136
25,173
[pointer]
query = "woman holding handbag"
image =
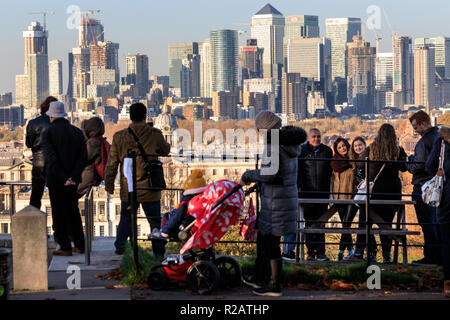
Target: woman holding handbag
x,y
433,166
385,177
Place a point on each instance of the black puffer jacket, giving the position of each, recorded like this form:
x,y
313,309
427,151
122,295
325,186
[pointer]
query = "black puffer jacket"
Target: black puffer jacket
x,y
33,139
421,153
314,175
279,195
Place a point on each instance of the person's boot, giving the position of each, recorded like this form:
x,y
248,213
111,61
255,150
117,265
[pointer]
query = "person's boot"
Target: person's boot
x,y
447,288
274,288
257,280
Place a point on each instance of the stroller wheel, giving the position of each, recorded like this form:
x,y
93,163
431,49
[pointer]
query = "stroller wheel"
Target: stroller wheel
x,y
202,277
230,272
157,280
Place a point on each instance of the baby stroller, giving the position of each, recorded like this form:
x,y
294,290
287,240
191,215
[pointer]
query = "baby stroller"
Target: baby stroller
x,y
209,217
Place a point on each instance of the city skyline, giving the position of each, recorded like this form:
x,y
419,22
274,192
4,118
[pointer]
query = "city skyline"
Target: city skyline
x,y
146,21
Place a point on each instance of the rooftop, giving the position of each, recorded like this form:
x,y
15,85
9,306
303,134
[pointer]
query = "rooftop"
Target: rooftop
x,y
268,9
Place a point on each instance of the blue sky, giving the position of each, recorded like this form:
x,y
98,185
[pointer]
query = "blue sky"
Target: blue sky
x,y
146,26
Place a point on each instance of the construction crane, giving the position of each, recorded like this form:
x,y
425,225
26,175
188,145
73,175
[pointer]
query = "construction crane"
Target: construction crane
x,y
44,14
86,13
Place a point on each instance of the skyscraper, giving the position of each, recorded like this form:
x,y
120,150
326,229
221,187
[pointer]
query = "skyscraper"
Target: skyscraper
x,y
177,52
403,77
224,60
424,77
35,41
301,26
340,31
268,29
205,68
251,60
89,30
361,75
441,46
383,78
293,88
55,77
38,78
137,72
190,76
80,65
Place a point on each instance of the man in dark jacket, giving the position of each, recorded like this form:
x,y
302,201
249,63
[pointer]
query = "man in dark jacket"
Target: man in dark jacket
x,y
314,176
426,215
65,158
33,140
153,142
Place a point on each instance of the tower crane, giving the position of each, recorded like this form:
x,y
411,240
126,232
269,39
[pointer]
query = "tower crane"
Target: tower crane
x,y
44,14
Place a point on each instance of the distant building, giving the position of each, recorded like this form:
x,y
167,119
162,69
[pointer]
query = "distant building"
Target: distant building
x,y
383,77
5,99
190,76
441,46
55,77
267,28
424,77
403,77
251,60
224,60
224,104
300,27
35,41
138,73
38,78
260,101
177,52
12,116
89,30
293,88
316,103
205,69
79,64
361,75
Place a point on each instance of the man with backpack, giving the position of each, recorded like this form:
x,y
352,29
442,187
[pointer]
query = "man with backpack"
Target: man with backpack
x,y
152,141
97,153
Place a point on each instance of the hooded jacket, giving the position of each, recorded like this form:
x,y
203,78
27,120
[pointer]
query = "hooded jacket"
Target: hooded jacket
x,y
279,192
92,128
432,166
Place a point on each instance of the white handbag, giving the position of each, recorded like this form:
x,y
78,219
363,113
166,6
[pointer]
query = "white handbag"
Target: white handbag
x,y
362,187
432,189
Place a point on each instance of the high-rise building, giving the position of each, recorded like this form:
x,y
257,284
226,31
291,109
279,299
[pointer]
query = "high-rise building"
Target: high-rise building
x,y
251,60
89,30
361,75
5,99
190,76
424,77
293,88
224,104
383,78
205,68
35,40
224,60
301,26
105,55
340,31
403,77
55,74
177,52
80,65
23,90
38,78
441,46
137,72
268,29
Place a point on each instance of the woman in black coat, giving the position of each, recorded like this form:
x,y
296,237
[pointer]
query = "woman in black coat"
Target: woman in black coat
x,y
443,215
279,201
384,147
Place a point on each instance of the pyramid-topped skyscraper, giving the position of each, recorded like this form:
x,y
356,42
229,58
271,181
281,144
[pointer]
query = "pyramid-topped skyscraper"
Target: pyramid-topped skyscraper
x,y
268,29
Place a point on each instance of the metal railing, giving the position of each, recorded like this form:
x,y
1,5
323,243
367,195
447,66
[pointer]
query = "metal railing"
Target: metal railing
x,y
88,224
12,184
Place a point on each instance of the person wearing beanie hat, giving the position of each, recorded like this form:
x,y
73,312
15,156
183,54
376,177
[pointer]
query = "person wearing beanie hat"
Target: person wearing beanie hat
x,y
267,120
193,186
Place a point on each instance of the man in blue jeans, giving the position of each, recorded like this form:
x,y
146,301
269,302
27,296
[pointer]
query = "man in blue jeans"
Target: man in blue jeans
x,y
426,215
153,142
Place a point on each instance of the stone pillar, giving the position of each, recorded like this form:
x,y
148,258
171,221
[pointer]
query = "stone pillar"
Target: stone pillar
x,y
29,235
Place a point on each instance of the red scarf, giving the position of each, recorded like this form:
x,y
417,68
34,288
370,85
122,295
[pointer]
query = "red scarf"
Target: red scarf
x,y
340,166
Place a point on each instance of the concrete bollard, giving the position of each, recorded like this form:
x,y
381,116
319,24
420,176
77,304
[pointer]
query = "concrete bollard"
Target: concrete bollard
x,y
29,239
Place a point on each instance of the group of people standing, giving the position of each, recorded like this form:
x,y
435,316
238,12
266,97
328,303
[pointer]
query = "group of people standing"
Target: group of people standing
x,y
322,171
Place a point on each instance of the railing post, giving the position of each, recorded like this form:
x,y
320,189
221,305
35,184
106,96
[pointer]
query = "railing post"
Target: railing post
x,y
88,227
12,200
133,214
367,209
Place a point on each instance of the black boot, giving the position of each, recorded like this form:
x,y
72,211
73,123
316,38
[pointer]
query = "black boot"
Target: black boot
x,y
274,288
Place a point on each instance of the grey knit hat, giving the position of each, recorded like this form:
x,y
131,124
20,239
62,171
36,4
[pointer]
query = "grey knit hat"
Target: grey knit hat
x,y
267,120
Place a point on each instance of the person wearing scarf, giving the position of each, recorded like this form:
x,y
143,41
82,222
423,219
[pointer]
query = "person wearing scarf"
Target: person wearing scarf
x,y
343,182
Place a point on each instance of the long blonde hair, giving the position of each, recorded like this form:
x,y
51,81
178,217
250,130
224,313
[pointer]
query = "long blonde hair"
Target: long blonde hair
x,y
385,146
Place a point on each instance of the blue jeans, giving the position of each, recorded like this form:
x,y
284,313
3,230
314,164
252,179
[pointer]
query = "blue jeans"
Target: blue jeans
x,y
426,216
152,212
289,246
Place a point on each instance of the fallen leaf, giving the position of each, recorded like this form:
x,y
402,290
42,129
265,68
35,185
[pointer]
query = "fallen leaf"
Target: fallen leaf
x,y
110,287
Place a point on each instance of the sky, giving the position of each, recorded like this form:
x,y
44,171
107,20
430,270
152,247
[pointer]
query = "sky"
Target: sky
x,y
147,26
